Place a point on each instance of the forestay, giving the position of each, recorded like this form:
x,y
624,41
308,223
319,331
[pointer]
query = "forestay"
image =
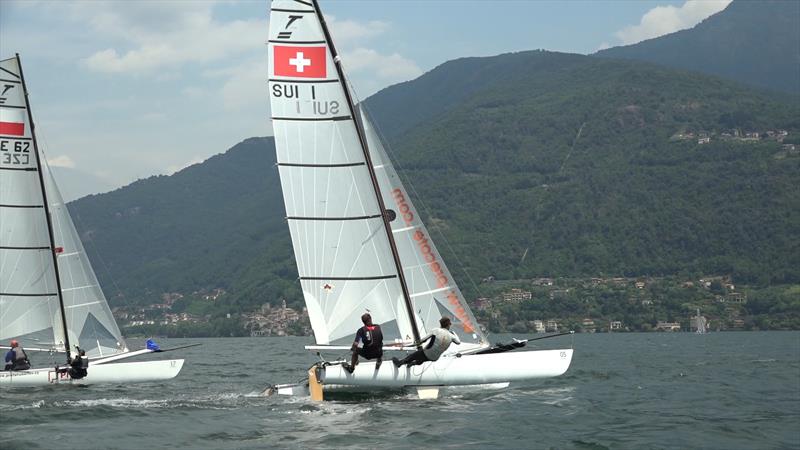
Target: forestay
x,y
29,301
343,253
433,289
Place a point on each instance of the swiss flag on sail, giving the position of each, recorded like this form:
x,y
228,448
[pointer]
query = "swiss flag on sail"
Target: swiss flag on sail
x,y
12,122
304,62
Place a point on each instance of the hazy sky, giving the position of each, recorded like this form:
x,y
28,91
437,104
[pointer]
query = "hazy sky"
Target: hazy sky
x,y
122,90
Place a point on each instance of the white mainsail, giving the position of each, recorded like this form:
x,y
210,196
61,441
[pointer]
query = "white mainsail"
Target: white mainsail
x,y
344,256
433,289
335,207
30,309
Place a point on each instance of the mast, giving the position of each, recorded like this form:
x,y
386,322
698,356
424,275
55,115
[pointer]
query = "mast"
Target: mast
x,y
360,132
46,213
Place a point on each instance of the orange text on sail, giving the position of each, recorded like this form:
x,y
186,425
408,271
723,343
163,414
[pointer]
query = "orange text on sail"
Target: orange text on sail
x,y
429,255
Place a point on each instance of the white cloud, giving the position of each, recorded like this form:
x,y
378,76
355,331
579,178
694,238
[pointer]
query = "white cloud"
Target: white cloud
x,y
378,69
345,32
246,87
368,69
178,167
663,20
157,35
193,92
61,161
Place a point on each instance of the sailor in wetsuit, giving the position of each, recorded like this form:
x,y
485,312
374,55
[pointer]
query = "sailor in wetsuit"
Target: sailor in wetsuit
x,y
440,340
79,366
368,343
16,358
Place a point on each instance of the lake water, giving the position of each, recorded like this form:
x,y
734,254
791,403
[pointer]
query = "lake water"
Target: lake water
x,y
652,390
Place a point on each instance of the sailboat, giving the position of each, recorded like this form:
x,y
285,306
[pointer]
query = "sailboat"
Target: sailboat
x,y
358,240
50,299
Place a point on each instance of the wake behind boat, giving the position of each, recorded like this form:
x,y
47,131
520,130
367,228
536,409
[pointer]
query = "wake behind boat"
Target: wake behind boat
x,y
358,240
50,300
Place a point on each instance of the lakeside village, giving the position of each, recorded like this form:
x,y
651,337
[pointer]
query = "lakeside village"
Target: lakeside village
x,y
737,135
539,305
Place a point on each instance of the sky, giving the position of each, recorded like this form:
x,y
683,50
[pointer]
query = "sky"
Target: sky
x,y
123,90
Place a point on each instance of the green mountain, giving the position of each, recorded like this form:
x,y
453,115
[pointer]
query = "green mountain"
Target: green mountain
x,y
755,42
219,224
566,165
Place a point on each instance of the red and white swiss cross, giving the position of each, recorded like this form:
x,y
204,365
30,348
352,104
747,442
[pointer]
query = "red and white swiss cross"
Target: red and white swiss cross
x,y
304,62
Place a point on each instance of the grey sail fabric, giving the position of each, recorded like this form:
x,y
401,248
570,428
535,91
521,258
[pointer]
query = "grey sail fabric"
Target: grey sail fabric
x,y
80,290
432,287
343,254
29,303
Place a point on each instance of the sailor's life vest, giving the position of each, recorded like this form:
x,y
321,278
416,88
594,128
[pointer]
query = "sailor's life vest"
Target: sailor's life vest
x,y
20,360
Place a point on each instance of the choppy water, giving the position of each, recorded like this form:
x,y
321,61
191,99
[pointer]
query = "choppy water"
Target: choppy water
x,y
720,390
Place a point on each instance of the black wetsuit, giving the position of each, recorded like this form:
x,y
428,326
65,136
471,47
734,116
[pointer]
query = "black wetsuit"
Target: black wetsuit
x,y
79,367
371,337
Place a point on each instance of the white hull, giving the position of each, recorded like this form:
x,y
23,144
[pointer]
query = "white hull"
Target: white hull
x,y
455,371
108,373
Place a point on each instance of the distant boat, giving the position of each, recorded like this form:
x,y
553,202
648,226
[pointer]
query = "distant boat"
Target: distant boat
x,y
358,239
50,300
701,324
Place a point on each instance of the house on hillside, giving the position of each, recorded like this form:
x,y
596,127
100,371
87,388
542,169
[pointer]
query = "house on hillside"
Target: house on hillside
x,y
482,304
517,296
668,326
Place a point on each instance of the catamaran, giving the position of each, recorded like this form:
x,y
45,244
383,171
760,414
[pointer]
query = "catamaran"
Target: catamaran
x,y
50,299
358,240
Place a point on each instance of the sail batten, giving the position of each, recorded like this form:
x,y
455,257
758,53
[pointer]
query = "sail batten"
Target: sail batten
x,y
375,216
323,166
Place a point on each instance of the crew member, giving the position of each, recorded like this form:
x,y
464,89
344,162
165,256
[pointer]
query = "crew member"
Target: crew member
x,y
79,365
16,358
440,339
368,343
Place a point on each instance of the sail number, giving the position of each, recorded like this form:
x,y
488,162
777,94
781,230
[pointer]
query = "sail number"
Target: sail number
x,y
306,99
14,152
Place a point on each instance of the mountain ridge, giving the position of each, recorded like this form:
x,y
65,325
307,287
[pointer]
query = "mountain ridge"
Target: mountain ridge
x,y
757,43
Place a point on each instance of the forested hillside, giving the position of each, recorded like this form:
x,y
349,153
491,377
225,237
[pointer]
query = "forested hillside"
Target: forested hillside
x,y
566,166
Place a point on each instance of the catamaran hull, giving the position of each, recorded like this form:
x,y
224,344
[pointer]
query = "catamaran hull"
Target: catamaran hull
x,y
454,371
108,373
